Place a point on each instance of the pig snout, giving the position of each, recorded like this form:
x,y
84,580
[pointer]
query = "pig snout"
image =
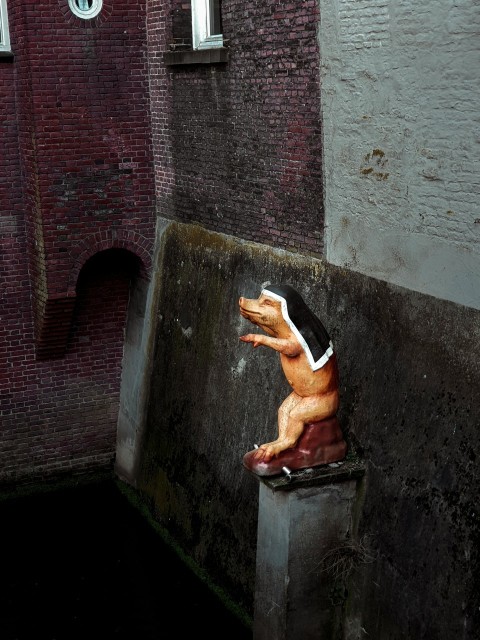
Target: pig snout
x,y
246,303
249,309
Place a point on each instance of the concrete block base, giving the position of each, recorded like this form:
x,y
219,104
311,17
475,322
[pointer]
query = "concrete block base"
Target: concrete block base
x,y
301,519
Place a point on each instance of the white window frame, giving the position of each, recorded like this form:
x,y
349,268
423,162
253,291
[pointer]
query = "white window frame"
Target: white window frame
x,y
4,31
201,32
85,14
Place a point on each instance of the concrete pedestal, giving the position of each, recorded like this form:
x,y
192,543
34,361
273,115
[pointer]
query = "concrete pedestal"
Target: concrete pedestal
x,y
302,518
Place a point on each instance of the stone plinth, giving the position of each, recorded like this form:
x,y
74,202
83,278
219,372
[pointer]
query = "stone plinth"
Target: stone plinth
x,y
302,517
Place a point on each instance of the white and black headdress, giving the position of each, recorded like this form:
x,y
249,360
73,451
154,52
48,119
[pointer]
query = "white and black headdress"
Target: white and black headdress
x,y
306,326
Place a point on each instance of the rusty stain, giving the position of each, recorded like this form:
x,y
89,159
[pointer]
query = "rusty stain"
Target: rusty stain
x,y
377,158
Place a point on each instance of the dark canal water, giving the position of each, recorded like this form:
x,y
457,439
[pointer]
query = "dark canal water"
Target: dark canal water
x,y
84,563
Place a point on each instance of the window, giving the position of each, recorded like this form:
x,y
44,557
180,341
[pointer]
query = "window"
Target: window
x,y
4,33
206,24
85,9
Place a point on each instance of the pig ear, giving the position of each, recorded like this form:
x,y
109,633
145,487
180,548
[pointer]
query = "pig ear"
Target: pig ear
x,y
265,284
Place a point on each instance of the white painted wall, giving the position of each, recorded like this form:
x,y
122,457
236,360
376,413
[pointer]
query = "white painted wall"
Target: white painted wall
x,y
400,84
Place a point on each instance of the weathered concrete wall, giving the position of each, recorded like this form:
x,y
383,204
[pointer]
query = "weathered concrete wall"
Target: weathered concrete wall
x,y
140,332
400,93
410,384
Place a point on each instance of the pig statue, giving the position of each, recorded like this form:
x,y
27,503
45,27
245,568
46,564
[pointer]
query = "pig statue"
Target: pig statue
x,y
309,433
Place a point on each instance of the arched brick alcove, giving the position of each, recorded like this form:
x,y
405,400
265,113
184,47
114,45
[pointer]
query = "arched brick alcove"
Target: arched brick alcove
x,y
119,264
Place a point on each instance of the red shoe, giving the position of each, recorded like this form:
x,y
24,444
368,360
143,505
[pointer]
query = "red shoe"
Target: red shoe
x,y
320,443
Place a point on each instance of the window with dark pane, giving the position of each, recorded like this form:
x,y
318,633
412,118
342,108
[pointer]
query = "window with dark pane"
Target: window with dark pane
x,y
215,17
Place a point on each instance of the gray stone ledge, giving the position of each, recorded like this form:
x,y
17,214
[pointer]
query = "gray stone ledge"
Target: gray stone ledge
x,y
321,475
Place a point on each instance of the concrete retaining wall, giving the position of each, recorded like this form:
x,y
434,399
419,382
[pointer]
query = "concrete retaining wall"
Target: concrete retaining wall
x,y
410,388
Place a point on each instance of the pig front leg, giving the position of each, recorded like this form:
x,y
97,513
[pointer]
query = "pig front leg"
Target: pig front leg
x,y
289,347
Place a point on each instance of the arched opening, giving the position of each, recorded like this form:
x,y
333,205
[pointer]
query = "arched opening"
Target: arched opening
x,y
96,343
102,294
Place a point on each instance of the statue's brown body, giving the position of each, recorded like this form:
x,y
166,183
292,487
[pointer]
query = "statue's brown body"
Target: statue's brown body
x,y
315,394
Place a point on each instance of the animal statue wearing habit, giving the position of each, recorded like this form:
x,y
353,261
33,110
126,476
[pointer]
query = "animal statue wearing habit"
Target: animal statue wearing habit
x,y
309,433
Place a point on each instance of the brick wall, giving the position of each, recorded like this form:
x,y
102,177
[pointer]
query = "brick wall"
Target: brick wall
x,y
60,415
236,148
76,179
245,136
84,140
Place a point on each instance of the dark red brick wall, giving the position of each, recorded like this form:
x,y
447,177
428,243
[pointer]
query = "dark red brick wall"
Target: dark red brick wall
x,y
236,147
245,136
76,178
84,139
60,415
